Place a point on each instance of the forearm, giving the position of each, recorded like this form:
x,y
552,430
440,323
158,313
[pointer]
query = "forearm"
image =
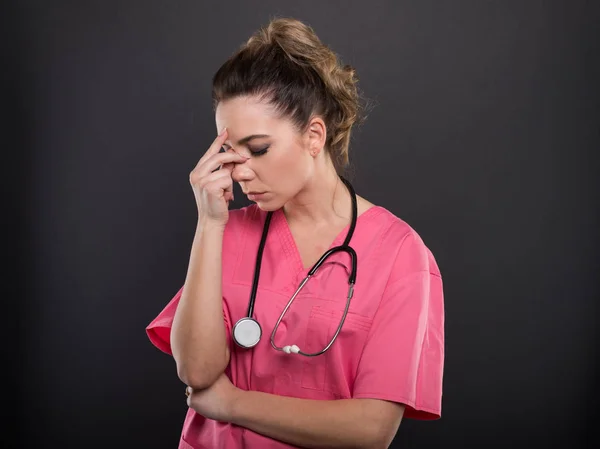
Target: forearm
x,y
344,423
198,338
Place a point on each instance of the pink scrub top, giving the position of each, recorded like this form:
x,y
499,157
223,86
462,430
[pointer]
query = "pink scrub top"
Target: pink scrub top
x,y
392,343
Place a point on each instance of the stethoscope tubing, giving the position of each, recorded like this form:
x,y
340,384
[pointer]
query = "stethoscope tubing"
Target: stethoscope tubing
x,y
342,320
345,247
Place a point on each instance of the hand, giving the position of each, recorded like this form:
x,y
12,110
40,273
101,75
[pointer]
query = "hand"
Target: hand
x,y
212,183
215,402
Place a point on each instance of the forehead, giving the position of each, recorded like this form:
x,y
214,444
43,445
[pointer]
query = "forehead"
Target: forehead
x,y
242,115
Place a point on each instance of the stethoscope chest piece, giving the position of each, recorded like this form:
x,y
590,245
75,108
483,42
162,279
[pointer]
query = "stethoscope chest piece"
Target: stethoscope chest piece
x,y
247,332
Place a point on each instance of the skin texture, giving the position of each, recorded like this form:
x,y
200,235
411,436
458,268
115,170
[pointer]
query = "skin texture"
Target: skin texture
x,y
198,338
302,422
294,173
288,165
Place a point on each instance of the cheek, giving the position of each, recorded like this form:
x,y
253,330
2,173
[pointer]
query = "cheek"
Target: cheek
x,y
283,169
292,160
288,172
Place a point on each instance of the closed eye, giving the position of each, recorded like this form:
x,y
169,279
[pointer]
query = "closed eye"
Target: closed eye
x,y
258,151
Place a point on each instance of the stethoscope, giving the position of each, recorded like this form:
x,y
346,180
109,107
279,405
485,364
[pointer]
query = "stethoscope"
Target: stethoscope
x,y
247,332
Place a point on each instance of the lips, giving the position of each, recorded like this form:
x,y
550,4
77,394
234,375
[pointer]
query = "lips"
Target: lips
x,y
253,196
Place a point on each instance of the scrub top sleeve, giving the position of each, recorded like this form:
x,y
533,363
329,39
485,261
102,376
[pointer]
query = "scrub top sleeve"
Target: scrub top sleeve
x,y
159,330
403,357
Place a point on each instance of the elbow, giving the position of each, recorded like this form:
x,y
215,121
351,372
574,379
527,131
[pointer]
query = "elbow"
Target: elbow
x,y
201,376
380,444
196,382
379,441
382,436
197,378
381,433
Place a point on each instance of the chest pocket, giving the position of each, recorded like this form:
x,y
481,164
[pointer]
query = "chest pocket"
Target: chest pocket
x,y
335,370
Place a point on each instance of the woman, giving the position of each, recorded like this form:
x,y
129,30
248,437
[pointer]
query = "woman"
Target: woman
x,y
285,109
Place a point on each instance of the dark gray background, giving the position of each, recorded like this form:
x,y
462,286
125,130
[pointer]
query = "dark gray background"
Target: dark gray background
x,y
483,137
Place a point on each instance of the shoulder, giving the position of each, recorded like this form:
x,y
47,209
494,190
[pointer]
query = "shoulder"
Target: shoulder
x,y
404,244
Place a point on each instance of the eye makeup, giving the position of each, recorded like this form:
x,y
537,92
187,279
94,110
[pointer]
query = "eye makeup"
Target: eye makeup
x,y
258,151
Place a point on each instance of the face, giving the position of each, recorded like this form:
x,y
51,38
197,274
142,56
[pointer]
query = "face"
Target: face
x,y
281,160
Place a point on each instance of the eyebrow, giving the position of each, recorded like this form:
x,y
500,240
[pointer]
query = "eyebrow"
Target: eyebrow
x,y
247,139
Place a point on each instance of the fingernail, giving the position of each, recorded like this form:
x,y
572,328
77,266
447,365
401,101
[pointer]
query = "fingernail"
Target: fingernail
x,y
223,131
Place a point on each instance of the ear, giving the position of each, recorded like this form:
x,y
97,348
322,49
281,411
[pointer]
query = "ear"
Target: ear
x,y
316,134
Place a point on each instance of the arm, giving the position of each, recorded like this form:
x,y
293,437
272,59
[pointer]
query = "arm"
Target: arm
x,y
344,423
198,337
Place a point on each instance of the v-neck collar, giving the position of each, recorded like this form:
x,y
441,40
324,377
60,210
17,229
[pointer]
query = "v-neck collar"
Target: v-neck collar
x,y
291,252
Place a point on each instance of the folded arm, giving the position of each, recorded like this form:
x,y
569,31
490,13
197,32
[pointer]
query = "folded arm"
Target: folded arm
x,y
344,423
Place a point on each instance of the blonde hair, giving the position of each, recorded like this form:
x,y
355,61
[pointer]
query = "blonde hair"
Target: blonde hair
x,y
286,64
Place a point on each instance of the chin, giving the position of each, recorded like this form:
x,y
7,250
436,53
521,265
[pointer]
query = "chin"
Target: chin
x,y
269,205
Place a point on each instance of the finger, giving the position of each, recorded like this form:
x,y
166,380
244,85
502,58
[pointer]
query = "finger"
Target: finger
x,y
217,176
228,166
217,160
217,183
215,146
229,191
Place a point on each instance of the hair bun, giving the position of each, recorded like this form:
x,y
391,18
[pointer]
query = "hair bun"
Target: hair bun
x,y
312,67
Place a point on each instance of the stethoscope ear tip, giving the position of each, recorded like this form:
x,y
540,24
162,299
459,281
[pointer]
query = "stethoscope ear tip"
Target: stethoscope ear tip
x,y
291,349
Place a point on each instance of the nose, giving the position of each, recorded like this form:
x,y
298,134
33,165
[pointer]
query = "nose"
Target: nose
x,y
241,172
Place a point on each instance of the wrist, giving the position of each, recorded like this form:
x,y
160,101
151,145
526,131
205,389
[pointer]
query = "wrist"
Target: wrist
x,y
207,225
236,406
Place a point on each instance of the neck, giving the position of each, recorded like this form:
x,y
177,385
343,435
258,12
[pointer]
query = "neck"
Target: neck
x,y
324,200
